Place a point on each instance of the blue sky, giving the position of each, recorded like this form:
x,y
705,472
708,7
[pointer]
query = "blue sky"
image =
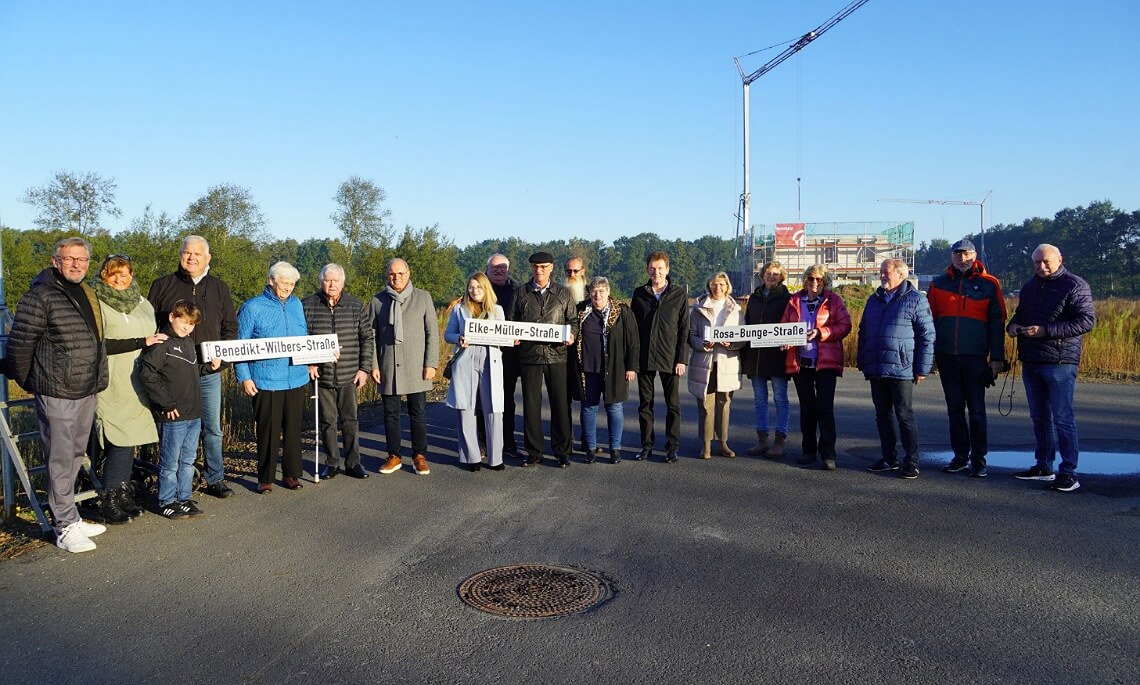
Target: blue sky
x,y
589,119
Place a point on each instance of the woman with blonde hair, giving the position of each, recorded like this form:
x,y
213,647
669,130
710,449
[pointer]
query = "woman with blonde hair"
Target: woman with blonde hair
x,y
476,372
765,365
714,368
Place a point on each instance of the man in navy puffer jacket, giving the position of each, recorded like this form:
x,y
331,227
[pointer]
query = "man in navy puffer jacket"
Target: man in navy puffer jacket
x,y
1054,310
896,352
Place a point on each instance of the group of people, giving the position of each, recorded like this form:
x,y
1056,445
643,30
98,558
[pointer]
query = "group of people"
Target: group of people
x,y
103,355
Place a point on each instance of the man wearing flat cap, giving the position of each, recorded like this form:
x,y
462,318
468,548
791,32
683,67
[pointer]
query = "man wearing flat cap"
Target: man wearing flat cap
x,y
969,318
541,300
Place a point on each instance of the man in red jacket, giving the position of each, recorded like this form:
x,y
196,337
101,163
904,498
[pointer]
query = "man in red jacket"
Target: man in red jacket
x,y
969,317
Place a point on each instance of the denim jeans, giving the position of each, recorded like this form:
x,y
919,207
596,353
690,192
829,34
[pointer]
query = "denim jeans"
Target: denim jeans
x,y
211,385
964,384
417,406
588,417
779,396
1049,391
892,395
177,448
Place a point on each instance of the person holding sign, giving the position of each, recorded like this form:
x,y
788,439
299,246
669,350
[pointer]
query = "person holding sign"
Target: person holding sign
x,y
276,386
816,366
543,301
714,368
764,364
476,371
603,364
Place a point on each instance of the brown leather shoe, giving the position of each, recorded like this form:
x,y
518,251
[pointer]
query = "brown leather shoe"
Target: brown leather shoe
x,y
393,464
420,463
292,483
263,488
725,450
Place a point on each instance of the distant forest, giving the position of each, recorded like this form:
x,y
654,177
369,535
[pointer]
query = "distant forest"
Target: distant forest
x,y
1098,242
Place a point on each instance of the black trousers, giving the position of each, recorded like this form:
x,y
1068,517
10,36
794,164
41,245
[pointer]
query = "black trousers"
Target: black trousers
x,y
277,419
964,383
417,409
558,394
816,390
338,415
670,385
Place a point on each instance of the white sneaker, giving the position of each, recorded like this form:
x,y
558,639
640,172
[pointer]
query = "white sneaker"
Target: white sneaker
x,y
72,539
90,529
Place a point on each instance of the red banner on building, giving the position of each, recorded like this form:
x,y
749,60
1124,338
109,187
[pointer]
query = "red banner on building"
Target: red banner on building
x,y
789,235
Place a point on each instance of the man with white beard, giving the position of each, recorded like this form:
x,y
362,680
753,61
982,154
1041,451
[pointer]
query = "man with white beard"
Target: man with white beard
x,y
575,269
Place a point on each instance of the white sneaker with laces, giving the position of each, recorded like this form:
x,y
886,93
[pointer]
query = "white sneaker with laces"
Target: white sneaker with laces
x,y
90,529
72,539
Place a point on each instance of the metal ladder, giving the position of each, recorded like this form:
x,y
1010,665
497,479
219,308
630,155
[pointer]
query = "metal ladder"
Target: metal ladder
x,y
10,445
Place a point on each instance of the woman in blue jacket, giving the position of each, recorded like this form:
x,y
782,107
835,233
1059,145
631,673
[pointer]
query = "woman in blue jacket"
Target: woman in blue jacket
x,y
896,352
276,386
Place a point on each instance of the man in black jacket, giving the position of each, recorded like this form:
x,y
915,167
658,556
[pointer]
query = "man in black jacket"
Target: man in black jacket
x,y
56,352
543,301
498,272
193,283
661,308
334,311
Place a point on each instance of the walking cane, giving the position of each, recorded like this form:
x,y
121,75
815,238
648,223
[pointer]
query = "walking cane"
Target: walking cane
x,y
316,433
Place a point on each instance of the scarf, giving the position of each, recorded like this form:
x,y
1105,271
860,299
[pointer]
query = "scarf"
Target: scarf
x,y
396,313
123,301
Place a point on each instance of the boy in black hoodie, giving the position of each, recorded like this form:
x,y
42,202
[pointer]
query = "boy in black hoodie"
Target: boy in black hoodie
x,y
169,373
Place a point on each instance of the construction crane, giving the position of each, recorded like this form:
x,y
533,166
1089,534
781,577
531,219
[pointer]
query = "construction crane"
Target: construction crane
x,y
981,205
744,214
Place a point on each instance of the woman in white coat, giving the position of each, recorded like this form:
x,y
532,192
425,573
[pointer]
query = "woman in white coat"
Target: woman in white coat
x,y
476,371
714,369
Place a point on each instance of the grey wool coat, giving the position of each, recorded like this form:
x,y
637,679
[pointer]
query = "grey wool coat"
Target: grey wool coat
x,y
463,389
402,366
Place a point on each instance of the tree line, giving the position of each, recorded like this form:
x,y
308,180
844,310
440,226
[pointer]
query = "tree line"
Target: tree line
x,y
1099,242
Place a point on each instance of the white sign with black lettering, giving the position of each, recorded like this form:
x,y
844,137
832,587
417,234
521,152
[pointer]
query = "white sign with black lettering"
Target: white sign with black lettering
x,y
504,333
302,349
762,334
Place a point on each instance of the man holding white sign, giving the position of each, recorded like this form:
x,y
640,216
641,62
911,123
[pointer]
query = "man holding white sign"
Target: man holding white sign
x,y
546,302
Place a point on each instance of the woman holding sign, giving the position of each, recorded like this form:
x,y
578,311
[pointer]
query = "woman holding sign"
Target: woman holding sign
x,y
714,368
276,386
476,371
814,367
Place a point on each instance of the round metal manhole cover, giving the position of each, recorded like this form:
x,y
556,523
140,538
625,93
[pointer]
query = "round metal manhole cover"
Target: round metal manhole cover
x,y
534,591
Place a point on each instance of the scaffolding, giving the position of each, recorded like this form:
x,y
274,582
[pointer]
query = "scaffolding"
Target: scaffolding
x,y
852,251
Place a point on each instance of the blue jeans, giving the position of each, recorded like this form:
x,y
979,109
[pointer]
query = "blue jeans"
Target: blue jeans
x,y
1049,390
211,386
178,447
779,396
588,418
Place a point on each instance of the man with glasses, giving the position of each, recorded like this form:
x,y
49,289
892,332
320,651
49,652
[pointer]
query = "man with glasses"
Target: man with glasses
x,y
544,301
193,282
56,352
575,270
498,272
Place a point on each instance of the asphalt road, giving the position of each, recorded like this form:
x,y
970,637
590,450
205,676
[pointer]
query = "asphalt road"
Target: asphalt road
x,y
727,571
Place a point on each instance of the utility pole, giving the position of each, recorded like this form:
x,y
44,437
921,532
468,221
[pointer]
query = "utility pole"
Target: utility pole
x,y
981,205
744,230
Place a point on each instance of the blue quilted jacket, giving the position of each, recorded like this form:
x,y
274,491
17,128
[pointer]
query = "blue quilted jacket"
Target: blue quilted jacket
x,y
1063,305
896,336
265,316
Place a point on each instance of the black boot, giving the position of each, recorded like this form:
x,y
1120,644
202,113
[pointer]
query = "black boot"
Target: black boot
x,y
127,501
113,513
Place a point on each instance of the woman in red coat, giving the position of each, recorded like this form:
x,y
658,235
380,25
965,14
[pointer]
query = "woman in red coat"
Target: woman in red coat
x,y
814,367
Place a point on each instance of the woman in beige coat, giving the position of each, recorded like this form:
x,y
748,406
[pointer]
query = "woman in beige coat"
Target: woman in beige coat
x,y
714,369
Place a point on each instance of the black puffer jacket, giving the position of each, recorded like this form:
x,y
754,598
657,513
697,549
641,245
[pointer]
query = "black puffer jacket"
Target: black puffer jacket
x,y
556,307
211,294
765,362
1062,304
351,320
663,326
52,350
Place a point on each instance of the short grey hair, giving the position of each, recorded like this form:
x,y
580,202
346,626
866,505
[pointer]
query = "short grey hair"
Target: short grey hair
x,y
334,268
74,241
393,260
193,239
599,282
284,270
498,254
898,266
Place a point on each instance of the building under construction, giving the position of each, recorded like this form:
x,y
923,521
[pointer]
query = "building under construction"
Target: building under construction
x,y
852,251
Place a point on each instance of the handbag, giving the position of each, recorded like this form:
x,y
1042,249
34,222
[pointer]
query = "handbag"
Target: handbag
x,y
447,369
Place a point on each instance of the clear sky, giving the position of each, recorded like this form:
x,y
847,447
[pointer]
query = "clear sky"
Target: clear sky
x,y
590,119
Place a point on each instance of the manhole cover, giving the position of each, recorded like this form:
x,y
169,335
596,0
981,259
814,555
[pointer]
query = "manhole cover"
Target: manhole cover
x,y
534,591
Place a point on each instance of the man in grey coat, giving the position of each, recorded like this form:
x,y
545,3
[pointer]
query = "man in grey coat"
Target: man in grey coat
x,y
331,310
407,357
56,352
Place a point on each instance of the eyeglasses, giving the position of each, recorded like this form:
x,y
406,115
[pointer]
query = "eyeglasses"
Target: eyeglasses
x,y
123,257
814,279
571,272
74,260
